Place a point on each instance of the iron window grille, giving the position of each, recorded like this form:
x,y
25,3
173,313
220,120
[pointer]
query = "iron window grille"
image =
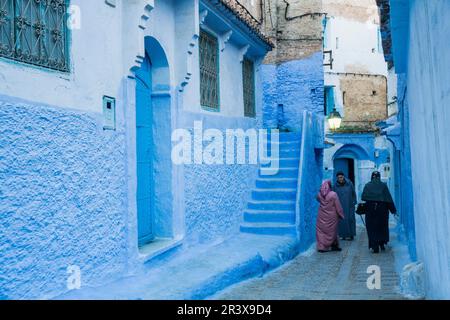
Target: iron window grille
x,y
209,71
248,76
35,32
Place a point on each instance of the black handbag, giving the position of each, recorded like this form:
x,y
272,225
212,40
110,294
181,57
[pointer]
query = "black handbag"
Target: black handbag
x,y
361,209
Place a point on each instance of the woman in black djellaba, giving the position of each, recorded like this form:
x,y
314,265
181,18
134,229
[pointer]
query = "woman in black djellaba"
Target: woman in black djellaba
x,y
378,204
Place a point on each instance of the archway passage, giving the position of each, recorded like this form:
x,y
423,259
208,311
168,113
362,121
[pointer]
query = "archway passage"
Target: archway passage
x,y
144,142
352,151
356,163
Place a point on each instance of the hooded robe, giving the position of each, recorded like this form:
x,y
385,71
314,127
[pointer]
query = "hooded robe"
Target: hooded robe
x,y
330,211
378,204
347,197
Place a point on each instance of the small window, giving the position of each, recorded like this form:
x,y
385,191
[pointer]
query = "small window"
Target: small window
x,y
329,100
248,76
209,71
35,32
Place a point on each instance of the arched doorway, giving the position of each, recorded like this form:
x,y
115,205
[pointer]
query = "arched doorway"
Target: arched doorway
x,y
153,146
355,162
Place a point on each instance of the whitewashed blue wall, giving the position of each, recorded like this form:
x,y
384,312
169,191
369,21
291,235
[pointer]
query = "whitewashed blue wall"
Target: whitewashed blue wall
x,y
429,97
419,46
68,187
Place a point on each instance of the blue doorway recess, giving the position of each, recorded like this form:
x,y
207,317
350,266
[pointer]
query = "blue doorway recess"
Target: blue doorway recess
x,y
347,166
144,153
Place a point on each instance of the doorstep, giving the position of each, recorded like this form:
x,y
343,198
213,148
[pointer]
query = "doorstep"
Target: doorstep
x,y
157,247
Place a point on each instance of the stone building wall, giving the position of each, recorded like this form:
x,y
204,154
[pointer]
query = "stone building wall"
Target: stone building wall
x,y
364,100
358,71
295,27
293,77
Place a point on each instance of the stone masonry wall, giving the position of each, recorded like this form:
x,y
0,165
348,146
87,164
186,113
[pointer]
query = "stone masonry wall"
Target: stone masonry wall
x,y
295,26
364,100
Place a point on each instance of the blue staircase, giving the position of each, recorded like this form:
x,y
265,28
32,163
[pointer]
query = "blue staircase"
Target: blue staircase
x,y
271,210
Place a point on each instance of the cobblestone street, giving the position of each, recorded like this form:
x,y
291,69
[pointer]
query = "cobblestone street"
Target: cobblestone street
x,y
334,275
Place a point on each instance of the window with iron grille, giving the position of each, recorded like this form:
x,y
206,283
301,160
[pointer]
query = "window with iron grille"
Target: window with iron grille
x,y
209,71
35,32
248,75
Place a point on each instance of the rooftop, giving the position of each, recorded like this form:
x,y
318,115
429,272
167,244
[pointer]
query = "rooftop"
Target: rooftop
x,y
244,16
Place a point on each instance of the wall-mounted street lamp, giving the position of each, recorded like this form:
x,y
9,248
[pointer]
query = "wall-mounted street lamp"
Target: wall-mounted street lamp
x,y
334,119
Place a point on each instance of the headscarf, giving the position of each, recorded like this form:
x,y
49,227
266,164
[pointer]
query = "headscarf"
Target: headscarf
x,y
340,173
376,190
325,189
375,175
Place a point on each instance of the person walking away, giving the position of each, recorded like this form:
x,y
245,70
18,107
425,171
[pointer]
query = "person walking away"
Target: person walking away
x,y
378,204
347,197
330,211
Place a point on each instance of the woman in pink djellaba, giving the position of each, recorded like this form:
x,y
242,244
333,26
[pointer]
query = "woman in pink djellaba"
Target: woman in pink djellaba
x,y
330,211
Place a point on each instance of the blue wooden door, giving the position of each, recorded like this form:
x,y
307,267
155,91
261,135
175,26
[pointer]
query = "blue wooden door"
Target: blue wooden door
x,y
144,142
347,166
341,165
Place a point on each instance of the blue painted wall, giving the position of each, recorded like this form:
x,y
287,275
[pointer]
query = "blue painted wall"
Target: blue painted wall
x,y
418,34
298,85
311,179
364,144
405,192
62,190
216,195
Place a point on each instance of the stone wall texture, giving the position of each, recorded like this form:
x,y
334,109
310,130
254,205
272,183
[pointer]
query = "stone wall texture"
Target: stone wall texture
x,y
365,100
295,27
298,86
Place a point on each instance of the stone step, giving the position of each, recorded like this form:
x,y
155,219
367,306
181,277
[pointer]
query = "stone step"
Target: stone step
x,y
284,216
283,153
284,162
274,194
272,183
287,136
289,153
269,228
271,205
285,144
282,173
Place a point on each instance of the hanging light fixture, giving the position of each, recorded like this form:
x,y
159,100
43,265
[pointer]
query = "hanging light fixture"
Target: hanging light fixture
x,y
334,119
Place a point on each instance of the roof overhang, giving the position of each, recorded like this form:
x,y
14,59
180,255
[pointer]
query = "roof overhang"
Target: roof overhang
x,y
223,17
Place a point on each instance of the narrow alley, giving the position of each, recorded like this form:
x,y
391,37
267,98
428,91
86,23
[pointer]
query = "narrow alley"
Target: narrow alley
x,y
332,276
218,149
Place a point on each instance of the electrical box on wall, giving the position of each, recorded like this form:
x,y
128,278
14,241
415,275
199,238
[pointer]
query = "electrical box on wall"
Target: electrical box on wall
x,y
109,113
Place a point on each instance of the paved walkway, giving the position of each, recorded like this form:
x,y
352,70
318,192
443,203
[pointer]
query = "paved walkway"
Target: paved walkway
x,y
335,275
197,273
